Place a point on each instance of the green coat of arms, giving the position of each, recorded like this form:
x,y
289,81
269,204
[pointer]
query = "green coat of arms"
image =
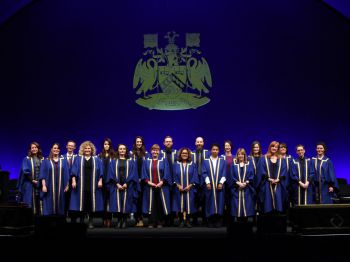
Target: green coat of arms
x,y
171,78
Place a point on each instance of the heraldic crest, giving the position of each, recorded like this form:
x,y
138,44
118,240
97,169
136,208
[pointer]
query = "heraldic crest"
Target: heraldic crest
x,y
172,78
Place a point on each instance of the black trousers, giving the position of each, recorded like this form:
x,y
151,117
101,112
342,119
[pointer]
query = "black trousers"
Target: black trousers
x,y
157,213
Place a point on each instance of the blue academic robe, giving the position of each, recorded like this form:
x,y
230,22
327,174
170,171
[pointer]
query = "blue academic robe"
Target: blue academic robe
x,y
77,195
163,173
25,185
122,201
242,201
184,176
214,198
73,159
56,181
300,195
271,197
324,178
173,160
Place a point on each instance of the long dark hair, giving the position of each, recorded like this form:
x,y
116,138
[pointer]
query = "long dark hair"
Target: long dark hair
x,y
39,154
110,151
51,155
252,146
142,151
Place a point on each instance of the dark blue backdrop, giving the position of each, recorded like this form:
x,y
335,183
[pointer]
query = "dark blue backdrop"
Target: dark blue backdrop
x,y
280,71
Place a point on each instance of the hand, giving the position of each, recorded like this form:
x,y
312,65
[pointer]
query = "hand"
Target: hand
x,y
151,184
180,187
160,184
74,183
271,180
208,186
330,189
125,186
120,187
306,184
277,180
35,182
66,188
44,189
99,184
219,186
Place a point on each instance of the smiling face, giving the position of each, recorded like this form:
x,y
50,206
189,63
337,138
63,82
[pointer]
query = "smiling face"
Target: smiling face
x,y
168,142
55,150
155,153
106,145
87,151
215,151
122,151
70,147
228,148
184,155
300,151
320,150
199,143
34,149
138,143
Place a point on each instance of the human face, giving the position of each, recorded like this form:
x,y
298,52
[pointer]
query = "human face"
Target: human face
x,y
199,143
320,150
34,149
55,150
300,151
70,147
227,148
283,150
122,150
87,151
184,155
106,146
256,149
215,151
274,149
138,143
168,142
155,153
240,157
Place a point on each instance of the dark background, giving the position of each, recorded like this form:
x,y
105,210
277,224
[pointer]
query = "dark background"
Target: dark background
x,y
280,71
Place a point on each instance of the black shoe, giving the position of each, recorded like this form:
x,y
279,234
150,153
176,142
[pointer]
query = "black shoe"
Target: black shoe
x,y
91,225
182,224
123,224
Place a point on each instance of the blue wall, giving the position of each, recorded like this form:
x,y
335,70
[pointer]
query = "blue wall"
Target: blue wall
x,y
280,72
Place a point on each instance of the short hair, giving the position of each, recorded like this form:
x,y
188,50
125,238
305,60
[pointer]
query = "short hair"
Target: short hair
x,y
71,141
321,143
189,154
299,145
85,144
168,137
155,146
228,142
215,144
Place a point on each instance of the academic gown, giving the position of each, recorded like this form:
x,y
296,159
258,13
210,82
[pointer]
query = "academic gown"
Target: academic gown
x,y
25,185
271,197
122,201
163,173
242,201
300,195
324,178
77,195
184,176
56,181
214,198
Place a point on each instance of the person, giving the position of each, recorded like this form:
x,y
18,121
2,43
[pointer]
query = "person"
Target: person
x,y
302,176
106,155
185,178
240,183
54,177
214,177
229,160
271,174
198,156
28,182
70,157
86,176
255,155
170,155
156,195
123,174
138,155
325,180
283,152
